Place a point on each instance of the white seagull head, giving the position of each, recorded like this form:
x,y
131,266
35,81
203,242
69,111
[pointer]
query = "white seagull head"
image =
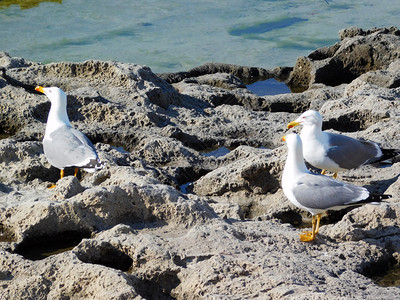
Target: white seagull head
x,y
308,118
58,112
55,95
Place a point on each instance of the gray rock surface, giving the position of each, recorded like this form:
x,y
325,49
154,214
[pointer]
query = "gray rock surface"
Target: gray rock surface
x,y
358,52
189,205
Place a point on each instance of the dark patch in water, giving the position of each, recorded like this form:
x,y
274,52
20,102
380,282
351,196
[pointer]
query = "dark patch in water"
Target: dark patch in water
x,y
265,26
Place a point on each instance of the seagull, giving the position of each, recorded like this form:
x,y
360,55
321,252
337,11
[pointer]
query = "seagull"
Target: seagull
x,y
330,151
317,193
63,145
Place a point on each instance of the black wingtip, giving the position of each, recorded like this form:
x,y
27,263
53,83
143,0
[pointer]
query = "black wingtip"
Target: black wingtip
x,y
374,199
389,156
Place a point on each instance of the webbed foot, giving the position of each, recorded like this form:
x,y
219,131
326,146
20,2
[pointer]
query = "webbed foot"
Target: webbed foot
x,y
307,236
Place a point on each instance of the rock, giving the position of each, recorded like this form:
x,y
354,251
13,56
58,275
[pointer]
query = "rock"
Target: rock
x,y
6,61
225,92
394,190
189,204
364,105
355,31
67,187
389,78
70,278
358,52
222,80
368,222
226,259
246,74
255,173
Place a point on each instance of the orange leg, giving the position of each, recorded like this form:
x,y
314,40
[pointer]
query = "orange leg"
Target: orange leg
x,y
61,176
323,172
318,221
308,236
76,172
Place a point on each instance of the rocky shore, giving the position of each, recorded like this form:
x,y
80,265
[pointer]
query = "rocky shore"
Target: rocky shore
x,y
189,205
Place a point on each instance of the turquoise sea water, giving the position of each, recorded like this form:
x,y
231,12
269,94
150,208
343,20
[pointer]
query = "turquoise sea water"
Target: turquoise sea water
x,y
178,35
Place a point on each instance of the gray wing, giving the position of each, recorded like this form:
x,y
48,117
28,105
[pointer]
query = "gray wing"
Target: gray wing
x,y
68,147
322,192
350,153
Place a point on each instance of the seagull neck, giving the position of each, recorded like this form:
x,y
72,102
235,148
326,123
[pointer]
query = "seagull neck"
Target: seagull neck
x,y
57,117
312,130
296,161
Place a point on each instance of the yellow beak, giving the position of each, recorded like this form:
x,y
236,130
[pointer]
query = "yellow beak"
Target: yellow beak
x,y
284,138
292,124
39,89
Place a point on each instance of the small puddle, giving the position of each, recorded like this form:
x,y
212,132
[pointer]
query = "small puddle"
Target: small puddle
x,y
4,238
121,149
130,270
222,151
391,277
183,187
4,136
43,247
268,87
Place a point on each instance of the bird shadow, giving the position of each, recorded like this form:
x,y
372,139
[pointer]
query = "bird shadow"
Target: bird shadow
x,y
380,186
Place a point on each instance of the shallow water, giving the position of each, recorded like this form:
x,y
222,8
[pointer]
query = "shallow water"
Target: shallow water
x,y
268,87
390,278
49,248
178,35
4,136
221,151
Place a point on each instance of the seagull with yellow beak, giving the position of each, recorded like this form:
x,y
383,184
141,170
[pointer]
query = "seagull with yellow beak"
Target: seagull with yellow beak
x,y
330,151
63,145
317,193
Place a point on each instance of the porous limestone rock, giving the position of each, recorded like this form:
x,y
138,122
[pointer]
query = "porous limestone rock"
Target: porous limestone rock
x,y
189,204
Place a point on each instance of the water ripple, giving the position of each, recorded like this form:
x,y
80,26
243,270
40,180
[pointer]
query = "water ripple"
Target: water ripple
x,y
264,27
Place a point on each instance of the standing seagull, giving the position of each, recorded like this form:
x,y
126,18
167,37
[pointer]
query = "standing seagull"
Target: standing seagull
x,y
330,151
317,193
63,145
